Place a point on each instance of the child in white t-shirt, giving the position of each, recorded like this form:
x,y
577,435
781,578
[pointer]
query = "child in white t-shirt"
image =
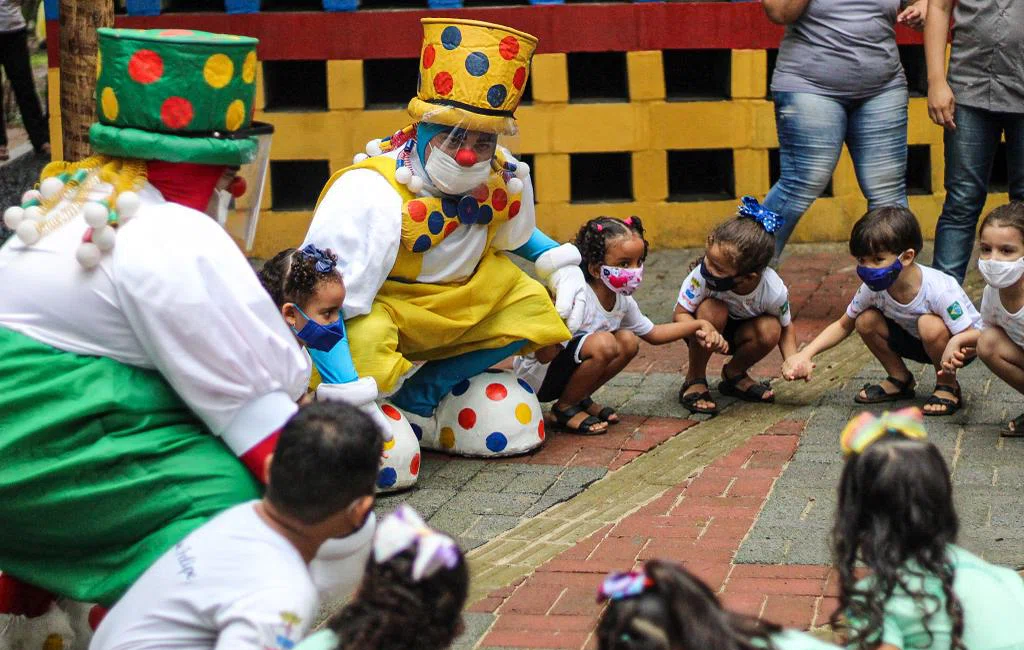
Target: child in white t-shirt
x,y
732,287
613,252
1001,344
904,310
247,579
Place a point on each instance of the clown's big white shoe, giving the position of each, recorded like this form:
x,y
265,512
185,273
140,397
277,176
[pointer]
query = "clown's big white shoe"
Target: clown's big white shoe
x,y
490,415
400,465
51,631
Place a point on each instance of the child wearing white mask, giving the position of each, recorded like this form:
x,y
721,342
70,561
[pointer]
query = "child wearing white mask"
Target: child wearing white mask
x,y
613,252
1000,344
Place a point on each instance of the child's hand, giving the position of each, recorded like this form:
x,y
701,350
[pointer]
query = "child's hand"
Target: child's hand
x,y
797,366
709,337
955,357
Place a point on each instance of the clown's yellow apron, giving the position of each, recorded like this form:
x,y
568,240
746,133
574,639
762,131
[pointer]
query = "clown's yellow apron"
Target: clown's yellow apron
x,y
417,321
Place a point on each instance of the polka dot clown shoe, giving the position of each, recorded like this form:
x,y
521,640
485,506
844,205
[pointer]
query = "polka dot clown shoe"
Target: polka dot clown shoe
x,y
400,466
490,415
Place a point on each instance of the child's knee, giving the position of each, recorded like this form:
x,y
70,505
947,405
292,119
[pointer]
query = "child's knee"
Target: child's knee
x,y
601,347
870,321
989,343
629,343
932,328
767,330
714,311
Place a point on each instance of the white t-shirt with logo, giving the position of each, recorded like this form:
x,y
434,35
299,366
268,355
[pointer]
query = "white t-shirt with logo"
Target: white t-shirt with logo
x,y
233,584
770,297
993,313
940,295
624,315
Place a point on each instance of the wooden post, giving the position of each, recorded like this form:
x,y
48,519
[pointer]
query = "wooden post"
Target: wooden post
x,y
78,22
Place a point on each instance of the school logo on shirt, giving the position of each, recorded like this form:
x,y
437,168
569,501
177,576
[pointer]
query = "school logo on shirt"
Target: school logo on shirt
x,y
955,311
784,308
695,282
690,294
279,636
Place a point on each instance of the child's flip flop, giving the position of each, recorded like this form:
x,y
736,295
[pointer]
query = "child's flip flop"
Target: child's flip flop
x,y
689,400
753,393
606,414
875,394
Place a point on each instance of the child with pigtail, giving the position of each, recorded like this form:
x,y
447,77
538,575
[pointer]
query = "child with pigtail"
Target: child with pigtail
x,y
613,252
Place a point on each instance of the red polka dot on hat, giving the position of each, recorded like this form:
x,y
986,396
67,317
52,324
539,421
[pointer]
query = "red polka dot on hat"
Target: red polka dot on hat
x,y
496,392
443,83
176,112
509,48
145,67
519,78
429,54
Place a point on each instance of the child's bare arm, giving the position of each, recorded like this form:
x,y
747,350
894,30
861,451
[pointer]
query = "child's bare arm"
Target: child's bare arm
x,y
800,364
959,349
682,328
787,342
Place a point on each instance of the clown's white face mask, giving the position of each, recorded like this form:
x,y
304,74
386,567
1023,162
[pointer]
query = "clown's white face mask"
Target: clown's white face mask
x,y
459,161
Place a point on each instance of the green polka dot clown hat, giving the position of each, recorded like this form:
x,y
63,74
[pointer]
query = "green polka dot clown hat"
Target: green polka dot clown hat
x,y
472,74
175,95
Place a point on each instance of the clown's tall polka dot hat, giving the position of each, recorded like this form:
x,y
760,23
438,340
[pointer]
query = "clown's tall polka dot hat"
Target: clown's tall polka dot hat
x,y
472,74
176,95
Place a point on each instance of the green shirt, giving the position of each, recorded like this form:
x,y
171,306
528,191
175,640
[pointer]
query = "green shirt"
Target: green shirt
x,y
325,639
793,640
992,599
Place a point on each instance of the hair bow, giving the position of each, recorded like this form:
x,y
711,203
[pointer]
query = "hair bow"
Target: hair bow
x,y
770,221
623,585
403,529
866,428
324,263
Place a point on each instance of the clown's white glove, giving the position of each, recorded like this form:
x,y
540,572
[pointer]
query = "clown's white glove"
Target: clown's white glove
x,y
361,394
559,268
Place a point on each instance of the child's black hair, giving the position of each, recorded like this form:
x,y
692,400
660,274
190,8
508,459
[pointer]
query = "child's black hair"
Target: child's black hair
x,y
895,511
678,612
291,276
392,612
745,242
594,235
891,229
1010,215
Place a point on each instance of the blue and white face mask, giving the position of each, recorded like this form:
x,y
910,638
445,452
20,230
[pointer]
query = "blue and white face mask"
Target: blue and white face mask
x,y
320,337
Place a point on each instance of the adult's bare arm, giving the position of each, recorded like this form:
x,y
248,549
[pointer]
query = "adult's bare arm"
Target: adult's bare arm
x,y
783,12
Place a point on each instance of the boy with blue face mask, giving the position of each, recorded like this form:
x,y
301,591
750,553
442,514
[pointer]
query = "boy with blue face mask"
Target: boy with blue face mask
x,y
904,310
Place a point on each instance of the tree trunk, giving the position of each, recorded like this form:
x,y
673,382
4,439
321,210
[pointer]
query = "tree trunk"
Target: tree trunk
x,y
78,22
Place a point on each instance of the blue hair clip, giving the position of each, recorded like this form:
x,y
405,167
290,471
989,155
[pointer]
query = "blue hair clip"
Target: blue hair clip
x,y
770,221
324,263
623,585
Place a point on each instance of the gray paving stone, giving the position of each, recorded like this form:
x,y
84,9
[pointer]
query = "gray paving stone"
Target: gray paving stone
x,y
490,503
492,478
536,482
477,624
581,476
490,526
543,504
453,522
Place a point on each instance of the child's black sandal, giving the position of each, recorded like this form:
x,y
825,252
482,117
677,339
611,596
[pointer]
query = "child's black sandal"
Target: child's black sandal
x,y
604,414
875,394
951,407
689,401
753,393
584,428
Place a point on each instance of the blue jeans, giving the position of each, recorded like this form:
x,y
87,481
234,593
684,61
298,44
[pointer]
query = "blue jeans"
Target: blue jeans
x,y
812,129
970,150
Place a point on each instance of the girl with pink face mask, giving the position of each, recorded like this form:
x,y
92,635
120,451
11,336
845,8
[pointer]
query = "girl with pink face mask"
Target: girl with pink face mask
x,y
613,252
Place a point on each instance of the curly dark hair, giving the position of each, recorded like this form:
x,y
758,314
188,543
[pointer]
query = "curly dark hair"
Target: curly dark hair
x,y
889,229
895,512
391,612
678,612
745,242
1010,215
291,276
594,235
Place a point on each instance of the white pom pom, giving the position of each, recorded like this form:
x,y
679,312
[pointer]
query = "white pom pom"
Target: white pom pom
x,y
373,148
13,216
28,232
358,158
34,213
51,187
522,170
403,175
31,195
515,186
415,184
88,255
127,204
104,238
96,214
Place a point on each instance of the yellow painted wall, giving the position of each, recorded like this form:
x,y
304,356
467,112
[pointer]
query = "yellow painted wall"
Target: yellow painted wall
x,y
647,126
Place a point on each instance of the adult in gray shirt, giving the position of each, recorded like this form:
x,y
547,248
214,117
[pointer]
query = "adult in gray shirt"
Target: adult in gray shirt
x,y
839,79
982,100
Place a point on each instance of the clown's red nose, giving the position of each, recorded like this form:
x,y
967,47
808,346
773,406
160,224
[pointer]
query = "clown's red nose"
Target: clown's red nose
x,y
466,158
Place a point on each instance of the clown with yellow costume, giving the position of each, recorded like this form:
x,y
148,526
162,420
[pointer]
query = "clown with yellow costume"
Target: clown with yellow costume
x,y
422,223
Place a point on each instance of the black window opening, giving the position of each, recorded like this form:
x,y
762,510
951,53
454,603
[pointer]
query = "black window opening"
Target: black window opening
x,y
999,180
912,58
296,184
370,5
598,77
291,5
600,177
295,85
773,56
919,169
693,75
775,172
701,175
389,83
